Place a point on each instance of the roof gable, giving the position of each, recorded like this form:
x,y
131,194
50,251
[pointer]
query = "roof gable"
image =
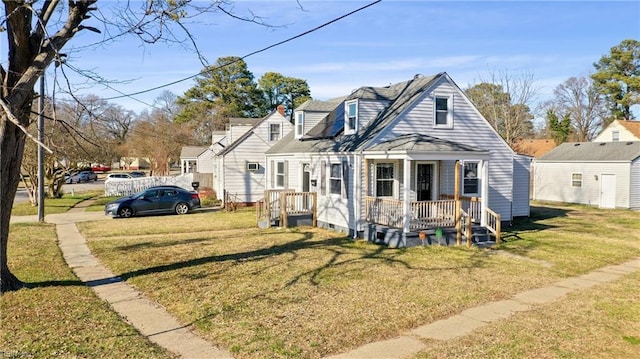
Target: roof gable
x,y
250,132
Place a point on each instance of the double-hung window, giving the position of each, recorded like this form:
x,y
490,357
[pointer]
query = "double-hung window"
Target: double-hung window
x,y
384,179
279,175
576,180
470,179
335,179
443,111
274,132
299,124
351,118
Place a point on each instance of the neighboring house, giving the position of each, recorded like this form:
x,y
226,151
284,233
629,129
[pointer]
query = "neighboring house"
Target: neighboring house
x,y
189,158
534,147
383,158
602,174
620,130
240,166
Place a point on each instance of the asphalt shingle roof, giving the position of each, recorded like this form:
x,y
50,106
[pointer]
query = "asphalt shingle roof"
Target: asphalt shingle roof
x,y
192,151
422,143
594,151
327,134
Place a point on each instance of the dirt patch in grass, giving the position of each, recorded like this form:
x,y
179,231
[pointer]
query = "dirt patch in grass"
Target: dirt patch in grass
x,y
59,317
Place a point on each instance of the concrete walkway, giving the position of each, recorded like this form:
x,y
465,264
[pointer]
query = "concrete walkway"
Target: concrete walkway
x,y
150,319
163,329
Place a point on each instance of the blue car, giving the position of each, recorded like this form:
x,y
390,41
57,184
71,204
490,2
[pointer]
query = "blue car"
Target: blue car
x,y
154,200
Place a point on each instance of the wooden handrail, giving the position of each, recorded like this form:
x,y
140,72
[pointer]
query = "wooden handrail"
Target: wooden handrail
x,y
494,224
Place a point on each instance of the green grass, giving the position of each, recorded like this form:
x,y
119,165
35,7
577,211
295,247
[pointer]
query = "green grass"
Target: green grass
x,y
52,205
306,292
58,316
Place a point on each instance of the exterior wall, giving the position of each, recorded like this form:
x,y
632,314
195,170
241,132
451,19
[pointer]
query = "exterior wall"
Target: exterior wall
x,y
521,193
205,162
235,132
634,185
469,128
369,110
311,118
607,134
552,182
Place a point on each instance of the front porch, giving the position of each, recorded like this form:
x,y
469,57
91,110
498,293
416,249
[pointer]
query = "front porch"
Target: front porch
x,y
444,222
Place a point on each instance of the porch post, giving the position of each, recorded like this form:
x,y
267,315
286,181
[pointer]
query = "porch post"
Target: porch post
x,y
484,204
456,197
406,223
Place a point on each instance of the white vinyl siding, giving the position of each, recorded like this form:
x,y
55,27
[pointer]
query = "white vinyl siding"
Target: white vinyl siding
x,y
634,185
521,194
470,129
248,186
547,187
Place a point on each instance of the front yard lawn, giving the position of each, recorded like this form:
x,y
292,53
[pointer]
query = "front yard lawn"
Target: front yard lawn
x,y
307,292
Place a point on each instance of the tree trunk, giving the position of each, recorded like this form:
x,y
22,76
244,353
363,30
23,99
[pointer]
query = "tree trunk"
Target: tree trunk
x,y
11,150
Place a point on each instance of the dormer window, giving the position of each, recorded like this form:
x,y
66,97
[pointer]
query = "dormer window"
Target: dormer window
x,y
443,112
351,118
299,124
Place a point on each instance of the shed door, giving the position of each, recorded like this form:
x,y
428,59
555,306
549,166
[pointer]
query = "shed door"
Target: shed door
x,y
608,191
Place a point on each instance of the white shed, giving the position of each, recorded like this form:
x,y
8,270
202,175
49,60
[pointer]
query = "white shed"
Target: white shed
x,y
602,174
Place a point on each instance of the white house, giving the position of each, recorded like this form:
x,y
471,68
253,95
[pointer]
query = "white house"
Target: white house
x,y
620,130
384,157
602,174
240,166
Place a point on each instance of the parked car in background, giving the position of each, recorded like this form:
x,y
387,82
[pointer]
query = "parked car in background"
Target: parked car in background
x,y
137,174
82,176
119,175
154,200
100,168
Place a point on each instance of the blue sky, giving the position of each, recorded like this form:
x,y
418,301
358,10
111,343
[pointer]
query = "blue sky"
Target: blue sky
x,y
385,43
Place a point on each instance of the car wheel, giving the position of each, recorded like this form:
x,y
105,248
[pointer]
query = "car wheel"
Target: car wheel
x,y
182,208
125,212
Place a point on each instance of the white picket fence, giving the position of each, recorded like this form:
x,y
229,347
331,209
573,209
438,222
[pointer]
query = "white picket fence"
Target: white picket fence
x,y
129,186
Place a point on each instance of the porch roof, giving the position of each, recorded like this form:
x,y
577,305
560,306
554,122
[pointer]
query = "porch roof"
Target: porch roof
x,y
423,144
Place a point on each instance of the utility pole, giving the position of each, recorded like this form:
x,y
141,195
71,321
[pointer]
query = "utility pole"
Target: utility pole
x,y
41,151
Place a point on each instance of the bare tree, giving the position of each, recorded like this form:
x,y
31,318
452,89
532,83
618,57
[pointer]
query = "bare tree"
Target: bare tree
x,y
505,101
578,99
36,38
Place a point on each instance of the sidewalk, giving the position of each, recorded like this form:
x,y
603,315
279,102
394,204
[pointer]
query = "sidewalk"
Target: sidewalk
x,y
159,326
150,319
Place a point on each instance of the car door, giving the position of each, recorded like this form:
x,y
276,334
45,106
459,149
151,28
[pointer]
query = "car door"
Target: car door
x,y
147,203
168,200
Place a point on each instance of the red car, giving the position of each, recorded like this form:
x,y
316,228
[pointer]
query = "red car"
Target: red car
x,y
100,168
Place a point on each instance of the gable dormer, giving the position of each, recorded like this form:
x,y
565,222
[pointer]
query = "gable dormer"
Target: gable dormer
x,y
351,117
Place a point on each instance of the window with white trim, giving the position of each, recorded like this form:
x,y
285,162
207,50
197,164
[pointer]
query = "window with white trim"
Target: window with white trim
x,y
384,179
335,179
280,173
275,132
299,124
443,111
576,180
470,179
615,136
351,118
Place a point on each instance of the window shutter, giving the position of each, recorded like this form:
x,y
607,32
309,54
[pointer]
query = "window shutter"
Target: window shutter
x,y
345,179
323,178
285,183
272,169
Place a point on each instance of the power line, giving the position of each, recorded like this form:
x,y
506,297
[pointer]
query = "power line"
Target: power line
x,y
130,95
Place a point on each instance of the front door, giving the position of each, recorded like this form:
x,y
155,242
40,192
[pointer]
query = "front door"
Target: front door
x,y
424,181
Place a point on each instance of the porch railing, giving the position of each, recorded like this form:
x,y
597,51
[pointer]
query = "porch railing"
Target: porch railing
x,y
494,225
424,214
280,204
471,205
